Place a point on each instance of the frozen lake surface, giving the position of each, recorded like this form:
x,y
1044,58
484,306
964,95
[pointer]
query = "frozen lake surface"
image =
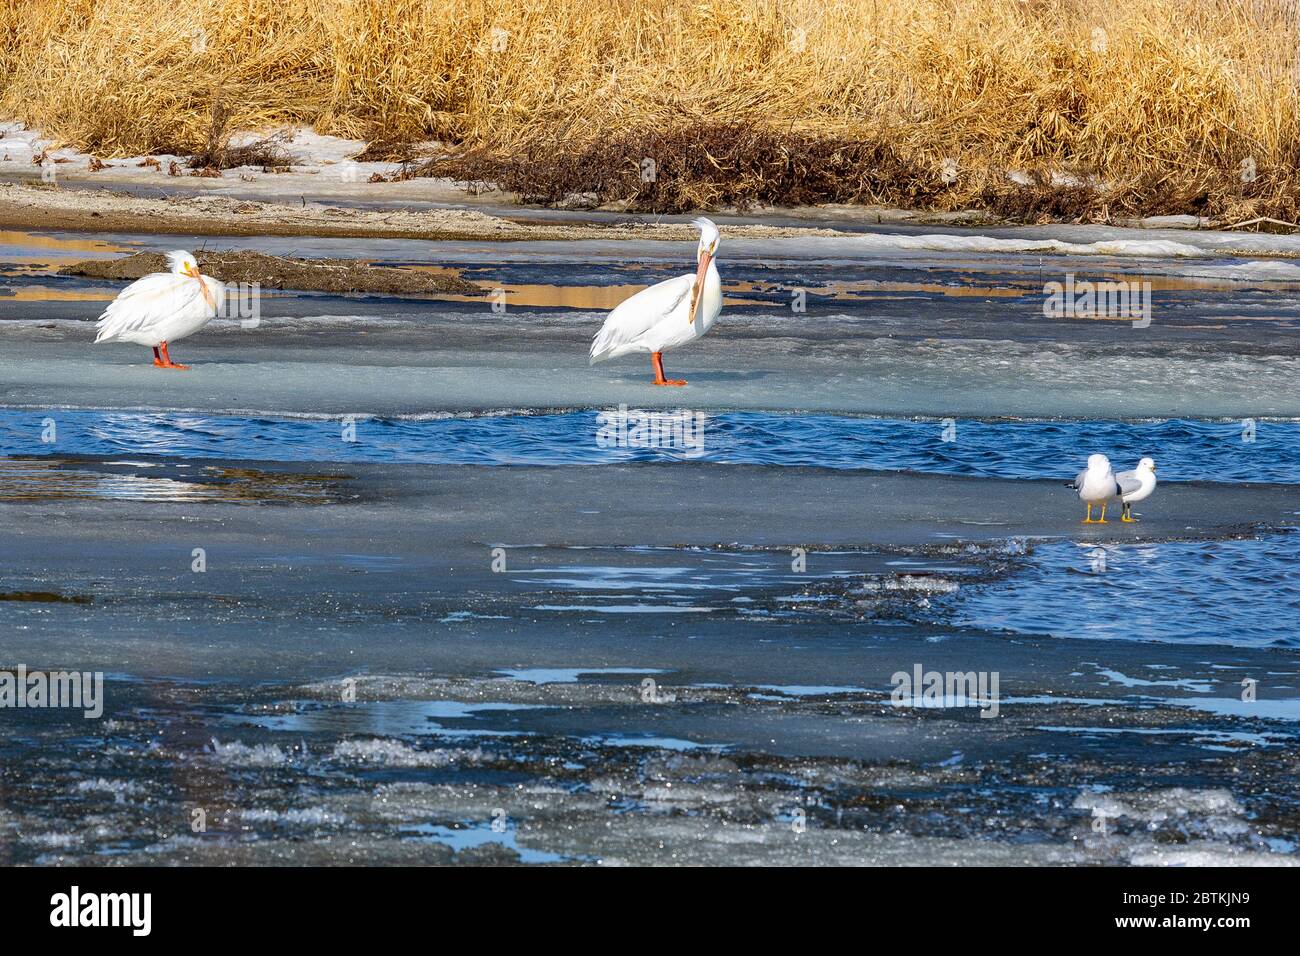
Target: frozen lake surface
x,y
886,328
417,647
475,633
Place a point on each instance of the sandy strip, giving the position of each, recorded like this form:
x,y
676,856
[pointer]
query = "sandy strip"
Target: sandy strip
x,y
50,208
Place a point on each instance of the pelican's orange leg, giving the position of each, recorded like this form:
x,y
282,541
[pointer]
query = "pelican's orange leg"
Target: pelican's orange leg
x,y
166,358
657,359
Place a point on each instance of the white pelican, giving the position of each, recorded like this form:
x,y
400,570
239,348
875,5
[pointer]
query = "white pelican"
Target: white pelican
x,y
1096,484
163,307
663,316
1136,485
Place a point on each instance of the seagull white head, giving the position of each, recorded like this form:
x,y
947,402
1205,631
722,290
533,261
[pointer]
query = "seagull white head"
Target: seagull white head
x,y
708,237
182,263
1098,462
1147,464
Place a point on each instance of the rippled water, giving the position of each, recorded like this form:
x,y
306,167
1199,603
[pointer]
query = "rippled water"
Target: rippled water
x,y
1238,593
1243,593
1223,451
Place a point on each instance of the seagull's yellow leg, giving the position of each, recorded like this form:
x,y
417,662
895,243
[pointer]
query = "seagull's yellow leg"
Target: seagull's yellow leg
x,y
1127,516
1088,520
1102,519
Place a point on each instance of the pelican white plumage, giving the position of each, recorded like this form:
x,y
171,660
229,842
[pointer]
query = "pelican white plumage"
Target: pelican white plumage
x,y
1096,485
163,307
668,314
1136,485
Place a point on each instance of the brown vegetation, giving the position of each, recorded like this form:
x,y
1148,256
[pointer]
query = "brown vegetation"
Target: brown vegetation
x,y
1109,106
284,272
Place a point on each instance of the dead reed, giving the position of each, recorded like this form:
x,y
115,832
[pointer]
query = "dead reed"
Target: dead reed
x,y
1104,106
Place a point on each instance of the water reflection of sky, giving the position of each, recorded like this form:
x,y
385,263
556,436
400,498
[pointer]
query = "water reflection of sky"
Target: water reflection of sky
x,y
42,479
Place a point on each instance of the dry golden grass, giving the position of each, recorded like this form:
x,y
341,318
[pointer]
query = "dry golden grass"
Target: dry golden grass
x,y
1157,101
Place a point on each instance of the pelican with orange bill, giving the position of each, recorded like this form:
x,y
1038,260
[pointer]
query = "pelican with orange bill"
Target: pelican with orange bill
x,y
666,315
163,307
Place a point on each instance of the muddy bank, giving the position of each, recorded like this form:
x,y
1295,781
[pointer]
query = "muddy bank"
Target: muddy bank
x,y
283,272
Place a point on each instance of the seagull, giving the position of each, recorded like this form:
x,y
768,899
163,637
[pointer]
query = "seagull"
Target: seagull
x,y
163,307
1096,484
1136,485
668,314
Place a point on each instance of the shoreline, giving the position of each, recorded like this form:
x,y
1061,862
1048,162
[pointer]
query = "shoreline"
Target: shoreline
x,y
446,212
103,210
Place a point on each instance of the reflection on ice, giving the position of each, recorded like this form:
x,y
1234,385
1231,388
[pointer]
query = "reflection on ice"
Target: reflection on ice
x,y
1196,733
629,608
41,479
1283,709
648,740
477,835
392,717
569,675
802,690
1115,677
